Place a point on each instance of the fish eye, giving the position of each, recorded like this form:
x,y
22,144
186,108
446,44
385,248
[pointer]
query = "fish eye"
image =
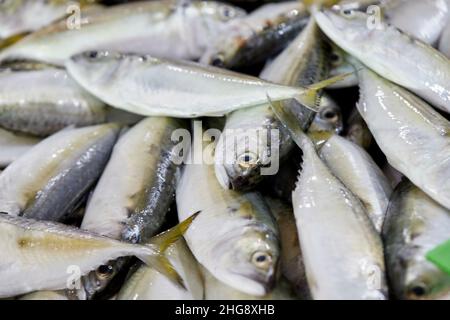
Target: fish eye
x,y
226,12
105,271
247,160
417,290
92,54
262,259
218,61
347,12
329,115
336,58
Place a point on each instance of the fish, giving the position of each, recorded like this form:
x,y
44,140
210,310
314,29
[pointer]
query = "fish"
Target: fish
x,y
423,19
341,63
444,42
415,224
21,16
132,206
252,137
217,290
235,238
40,100
357,130
45,295
412,135
151,86
355,168
361,5
329,118
291,260
342,251
49,181
13,145
253,38
148,284
392,175
162,28
386,50
44,255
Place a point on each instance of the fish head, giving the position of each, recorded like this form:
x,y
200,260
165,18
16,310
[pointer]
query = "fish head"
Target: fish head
x,y
239,157
105,64
329,118
424,281
96,281
248,260
347,26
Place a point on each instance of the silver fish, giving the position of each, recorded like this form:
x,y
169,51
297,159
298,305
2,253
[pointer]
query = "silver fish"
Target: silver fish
x,y
291,259
235,237
49,180
398,57
162,28
148,284
423,19
132,206
444,42
253,137
13,145
20,16
37,255
157,87
342,251
41,100
414,225
217,290
360,174
252,39
341,63
412,135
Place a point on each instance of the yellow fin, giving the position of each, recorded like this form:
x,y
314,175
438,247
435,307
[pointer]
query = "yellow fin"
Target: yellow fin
x,y
310,96
163,241
4,43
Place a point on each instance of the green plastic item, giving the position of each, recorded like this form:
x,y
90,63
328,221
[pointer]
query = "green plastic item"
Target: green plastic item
x,y
440,256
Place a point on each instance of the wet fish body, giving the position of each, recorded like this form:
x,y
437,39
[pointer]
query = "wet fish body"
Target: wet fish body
x,y
13,145
415,224
47,182
42,100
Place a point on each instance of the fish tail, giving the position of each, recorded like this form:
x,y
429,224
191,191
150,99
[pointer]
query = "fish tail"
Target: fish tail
x,y
4,43
310,96
162,242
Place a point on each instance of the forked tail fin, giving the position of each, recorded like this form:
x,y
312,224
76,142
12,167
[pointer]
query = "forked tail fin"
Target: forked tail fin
x,y
162,242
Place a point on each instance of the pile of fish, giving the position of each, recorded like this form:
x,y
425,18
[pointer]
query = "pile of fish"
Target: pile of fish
x,y
123,176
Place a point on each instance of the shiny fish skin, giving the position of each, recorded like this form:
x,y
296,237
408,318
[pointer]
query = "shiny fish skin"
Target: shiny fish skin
x,y
415,224
162,28
359,173
291,258
254,38
148,284
30,262
398,57
13,145
235,237
423,19
150,86
19,16
132,205
444,42
216,290
412,135
342,252
302,63
41,100
49,180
